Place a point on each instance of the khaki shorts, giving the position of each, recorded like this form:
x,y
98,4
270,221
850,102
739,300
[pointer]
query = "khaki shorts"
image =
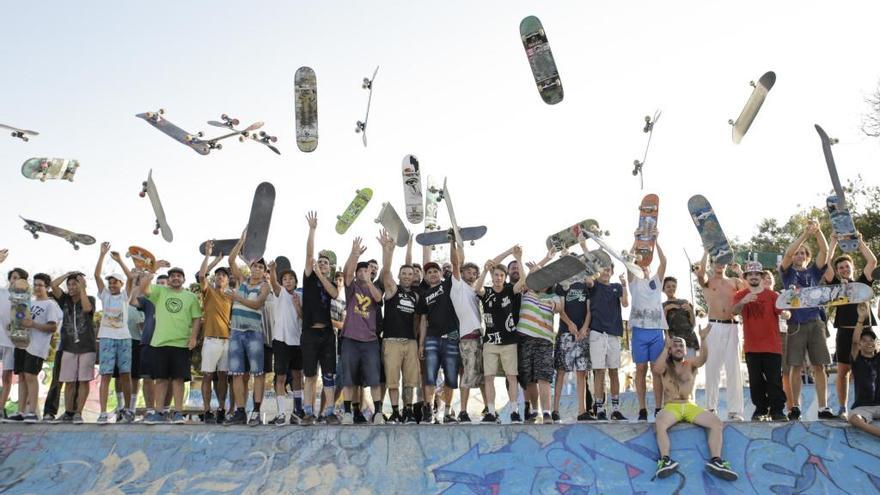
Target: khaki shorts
x,y
868,413
77,367
504,355
401,356
604,351
471,370
807,339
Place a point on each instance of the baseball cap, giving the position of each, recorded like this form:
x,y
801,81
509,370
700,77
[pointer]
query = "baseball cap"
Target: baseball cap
x,y
429,265
362,264
753,266
117,276
222,269
177,270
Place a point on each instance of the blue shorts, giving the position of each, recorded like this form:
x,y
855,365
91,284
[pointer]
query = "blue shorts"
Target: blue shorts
x,y
442,352
647,344
361,360
114,353
245,345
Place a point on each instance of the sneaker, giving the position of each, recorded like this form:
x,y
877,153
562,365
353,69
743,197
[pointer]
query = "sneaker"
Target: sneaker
x,y
555,417
825,413
721,469
177,418
332,419
127,416
617,416
295,418
778,416
841,414
586,416
308,420
485,411
321,420
30,418
409,417
255,419
153,418
347,418
49,418
735,418
67,418
379,419
601,416
794,414
463,417
15,418
280,420
643,414
208,418
220,416
237,418
490,418
449,419
394,418
77,419
665,468
546,419
103,419
359,418
758,417
515,418
532,418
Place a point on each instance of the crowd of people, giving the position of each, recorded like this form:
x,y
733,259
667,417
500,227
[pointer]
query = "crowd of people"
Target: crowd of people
x,y
433,329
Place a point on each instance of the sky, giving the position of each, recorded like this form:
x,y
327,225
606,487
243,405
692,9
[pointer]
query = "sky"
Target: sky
x,y
454,88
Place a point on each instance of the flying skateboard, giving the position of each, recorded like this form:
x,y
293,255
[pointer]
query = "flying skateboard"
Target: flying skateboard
x,y
766,259
714,240
432,200
306,109
20,133
73,238
412,189
148,188
645,236
649,130
282,264
258,223
832,168
222,247
392,223
143,259
437,237
625,257
824,295
562,269
842,225
534,40
444,195
361,127
230,123
157,120
20,307
357,205
567,238
49,168
265,139
747,116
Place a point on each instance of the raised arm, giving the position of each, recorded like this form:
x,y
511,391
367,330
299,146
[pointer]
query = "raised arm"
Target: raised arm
x,y
114,255
407,260
624,294
700,273
312,220
233,257
812,226
479,284
521,283
357,249
455,260
870,259
661,269
55,290
703,354
273,279
105,246
659,366
83,295
864,310
387,256
203,270
822,256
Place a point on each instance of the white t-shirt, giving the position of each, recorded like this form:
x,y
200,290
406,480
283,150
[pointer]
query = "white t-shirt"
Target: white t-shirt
x,y
5,319
647,304
114,320
467,307
43,312
287,326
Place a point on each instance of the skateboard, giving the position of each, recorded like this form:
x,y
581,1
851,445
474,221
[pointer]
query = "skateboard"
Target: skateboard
x,y
306,109
222,247
569,237
824,295
767,260
73,238
595,261
842,225
625,257
747,116
645,237
230,123
392,223
357,205
445,236
534,40
282,264
361,127
444,195
157,120
265,139
832,168
20,133
691,270
648,129
258,223
49,168
143,259
412,189
714,240
148,188
20,306
562,269
432,200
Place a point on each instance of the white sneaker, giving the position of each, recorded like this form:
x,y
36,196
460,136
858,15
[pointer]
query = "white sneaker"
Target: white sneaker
x,y
735,417
347,418
103,419
379,419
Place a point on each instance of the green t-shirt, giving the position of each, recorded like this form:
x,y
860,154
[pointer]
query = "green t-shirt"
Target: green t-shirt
x,y
175,311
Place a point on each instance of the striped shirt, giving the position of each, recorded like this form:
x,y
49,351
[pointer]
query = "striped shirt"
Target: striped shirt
x,y
244,318
536,315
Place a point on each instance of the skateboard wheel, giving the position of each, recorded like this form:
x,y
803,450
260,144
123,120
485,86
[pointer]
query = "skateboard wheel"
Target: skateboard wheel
x,y
730,121
142,194
273,139
75,247
235,122
43,179
224,116
155,231
240,139
36,236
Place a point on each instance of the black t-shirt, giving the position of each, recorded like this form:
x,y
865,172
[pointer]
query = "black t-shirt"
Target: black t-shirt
x,y
437,304
315,303
400,312
848,314
575,303
78,328
679,321
498,314
866,372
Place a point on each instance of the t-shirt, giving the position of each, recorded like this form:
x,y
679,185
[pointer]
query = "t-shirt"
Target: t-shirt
x,y
42,312
811,276
400,312
575,298
114,320
847,315
760,322
175,311
466,304
360,313
267,320
498,313
436,302
605,308
135,322
78,328
866,372
316,302
5,319
647,304
679,323
287,326
536,315
149,320
245,319
218,310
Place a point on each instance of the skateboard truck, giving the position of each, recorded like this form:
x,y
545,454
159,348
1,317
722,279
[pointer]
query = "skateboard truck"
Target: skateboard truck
x,y
229,121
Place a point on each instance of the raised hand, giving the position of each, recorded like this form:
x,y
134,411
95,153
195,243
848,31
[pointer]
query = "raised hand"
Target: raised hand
x,y
209,247
357,246
105,246
114,255
3,254
705,331
312,219
488,265
812,226
517,251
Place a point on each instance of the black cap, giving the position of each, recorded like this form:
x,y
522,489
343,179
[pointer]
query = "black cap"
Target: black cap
x,y
222,269
362,264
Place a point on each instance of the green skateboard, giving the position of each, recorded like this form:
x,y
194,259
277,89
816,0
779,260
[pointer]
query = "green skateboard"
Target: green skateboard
x,y
49,168
534,40
714,240
357,205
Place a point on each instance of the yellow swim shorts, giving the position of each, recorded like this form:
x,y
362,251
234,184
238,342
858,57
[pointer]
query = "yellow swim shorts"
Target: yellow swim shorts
x,y
683,411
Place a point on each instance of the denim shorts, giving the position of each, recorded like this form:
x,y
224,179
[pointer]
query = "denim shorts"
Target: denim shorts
x,y
245,345
442,351
360,359
114,353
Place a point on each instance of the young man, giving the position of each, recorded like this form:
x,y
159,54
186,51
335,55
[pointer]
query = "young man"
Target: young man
x,y
806,328
217,309
761,343
648,323
572,352
680,317
843,271
678,375
718,290
606,328
246,336
866,372
7,349
286,334
79,344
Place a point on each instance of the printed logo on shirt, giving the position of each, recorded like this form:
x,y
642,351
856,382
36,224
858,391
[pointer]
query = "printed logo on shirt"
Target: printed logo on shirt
x,y
430,299
363,305
173,305
577,295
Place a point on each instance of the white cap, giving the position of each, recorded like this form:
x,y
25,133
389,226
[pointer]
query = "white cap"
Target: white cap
x,y
117,276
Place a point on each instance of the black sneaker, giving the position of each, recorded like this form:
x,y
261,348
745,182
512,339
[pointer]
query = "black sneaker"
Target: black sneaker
x,y
237,418
463,417
333,419
555,417
394,418
586,416
360,419
618,416
794,414
491,418
308,420
280,420
721,469
417,411
757,417
220,416
547,420
826,414
15,418
656,412
449,418
256,419
665,468
601,416
532,418
208,418
295,419
643,414
515,418
778,416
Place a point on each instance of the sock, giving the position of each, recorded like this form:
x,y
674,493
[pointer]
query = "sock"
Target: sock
x,y
528,408
308,410
132,405
491,408
120,401
513,405
600,404
346,406
716,459
377,407
279,403
615,403
395,410
257,406
356,408
298,400
447,408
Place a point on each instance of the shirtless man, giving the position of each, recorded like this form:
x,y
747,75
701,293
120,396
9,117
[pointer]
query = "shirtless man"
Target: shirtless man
x,y
719,291
678,375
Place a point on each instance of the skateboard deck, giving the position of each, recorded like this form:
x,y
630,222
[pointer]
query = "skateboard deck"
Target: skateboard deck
x,y
49,168
222,247
306,109
829,161
444,195
282,264
767,260
192,140
20,133
20,306
534,40
638,165
562,269
362,126
392,223
568,237
595,260
645,239
750,110
230,123
842,225
73,238
445,236
714,240
143,259
628,259
148,188
412,189
432,205
357,205
258,223
824,295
